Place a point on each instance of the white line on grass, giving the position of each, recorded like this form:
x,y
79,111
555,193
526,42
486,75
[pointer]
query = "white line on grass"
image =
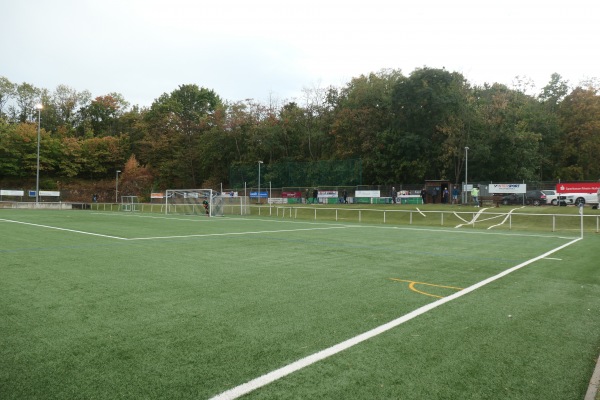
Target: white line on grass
x,y
63,229
236,233
272,376
461,232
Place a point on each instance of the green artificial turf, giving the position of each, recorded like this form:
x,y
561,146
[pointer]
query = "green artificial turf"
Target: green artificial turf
x,y
122,305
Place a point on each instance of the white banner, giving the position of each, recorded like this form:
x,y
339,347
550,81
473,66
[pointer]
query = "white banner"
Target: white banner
x,y
328,193
12,192
49,193
367,193
508,188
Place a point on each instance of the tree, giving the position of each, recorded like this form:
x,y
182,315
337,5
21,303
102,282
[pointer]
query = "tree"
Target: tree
x,y
136,179
7,92
505,146
361,124
175,124
103,114
429,108
26,97
579,115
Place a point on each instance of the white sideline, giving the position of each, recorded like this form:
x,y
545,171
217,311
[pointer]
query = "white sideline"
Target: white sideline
x,y
272,376
236,233
63,229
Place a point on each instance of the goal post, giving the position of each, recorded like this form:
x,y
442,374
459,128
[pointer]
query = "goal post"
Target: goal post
x,y
191,202
130,203
204,202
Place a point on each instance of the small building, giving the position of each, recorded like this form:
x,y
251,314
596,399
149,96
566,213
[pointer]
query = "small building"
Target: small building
x,y
435,189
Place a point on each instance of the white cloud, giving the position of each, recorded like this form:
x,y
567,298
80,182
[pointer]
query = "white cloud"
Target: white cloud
x,y
242,49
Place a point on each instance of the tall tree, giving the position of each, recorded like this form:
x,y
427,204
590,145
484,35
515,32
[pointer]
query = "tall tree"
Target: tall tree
x,y
505,146
7,92
176,122
579,115
428,108
362,120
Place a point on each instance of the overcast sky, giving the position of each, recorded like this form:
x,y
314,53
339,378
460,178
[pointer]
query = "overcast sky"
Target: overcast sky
x,y
265,49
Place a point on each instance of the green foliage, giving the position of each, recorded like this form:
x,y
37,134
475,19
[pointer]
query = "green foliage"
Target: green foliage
x,y
404,129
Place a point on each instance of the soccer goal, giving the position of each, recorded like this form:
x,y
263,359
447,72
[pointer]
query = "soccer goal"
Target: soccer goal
x,y
193,202
130,203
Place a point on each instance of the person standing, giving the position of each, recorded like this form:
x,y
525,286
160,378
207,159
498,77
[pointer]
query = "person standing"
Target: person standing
x,y
424,195
306,195
315,196
345,194
475,195
393,195
445,196
455,195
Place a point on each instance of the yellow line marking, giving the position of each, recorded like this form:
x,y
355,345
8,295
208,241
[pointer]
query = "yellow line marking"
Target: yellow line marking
x,y
412,287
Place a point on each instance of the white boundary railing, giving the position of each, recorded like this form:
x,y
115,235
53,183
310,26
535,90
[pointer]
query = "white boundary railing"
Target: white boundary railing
x,y
469,217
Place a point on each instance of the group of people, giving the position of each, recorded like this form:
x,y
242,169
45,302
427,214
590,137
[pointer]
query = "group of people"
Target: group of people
x,y
446,193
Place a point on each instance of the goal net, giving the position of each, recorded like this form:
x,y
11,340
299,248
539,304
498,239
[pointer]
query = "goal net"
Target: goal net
x,y
130,203
193,202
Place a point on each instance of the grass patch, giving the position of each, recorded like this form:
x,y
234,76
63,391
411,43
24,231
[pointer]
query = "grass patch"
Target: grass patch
x,y
188,307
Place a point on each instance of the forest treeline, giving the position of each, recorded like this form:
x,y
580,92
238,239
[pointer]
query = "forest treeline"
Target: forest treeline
x,y
405,129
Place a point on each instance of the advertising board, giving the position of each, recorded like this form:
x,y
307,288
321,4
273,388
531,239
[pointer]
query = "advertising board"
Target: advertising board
x,y
507,188
367,193
578,187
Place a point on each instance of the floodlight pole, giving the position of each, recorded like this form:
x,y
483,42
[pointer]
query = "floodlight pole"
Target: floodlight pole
x,y
37,176
258,193
117,188
466,174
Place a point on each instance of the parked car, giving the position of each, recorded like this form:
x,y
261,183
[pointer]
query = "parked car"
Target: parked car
x,y
578,198
531,197
551,197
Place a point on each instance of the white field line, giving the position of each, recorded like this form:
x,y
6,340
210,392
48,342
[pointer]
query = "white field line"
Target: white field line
x,y
64,229
420,212
272,376
216,219
237,233
461,232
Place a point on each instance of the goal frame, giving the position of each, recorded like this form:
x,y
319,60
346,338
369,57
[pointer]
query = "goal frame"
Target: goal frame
x,y
130,203
191,202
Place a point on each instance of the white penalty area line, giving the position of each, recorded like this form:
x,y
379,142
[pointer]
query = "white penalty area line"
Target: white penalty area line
x,y
321,355
63,229
236,233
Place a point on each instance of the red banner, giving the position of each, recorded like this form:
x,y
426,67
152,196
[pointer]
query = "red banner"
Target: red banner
x,y
291,195
589,187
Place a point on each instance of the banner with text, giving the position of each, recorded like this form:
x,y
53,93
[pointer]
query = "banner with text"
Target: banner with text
x,y
578,187
507,188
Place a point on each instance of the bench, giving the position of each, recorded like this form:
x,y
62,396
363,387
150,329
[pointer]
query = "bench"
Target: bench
x,y
494,200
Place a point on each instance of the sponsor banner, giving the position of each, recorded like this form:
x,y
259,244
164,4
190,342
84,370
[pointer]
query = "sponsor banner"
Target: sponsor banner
x,y
157,195
508,188
49,193
328,193
367,193
291,195
12,193
277,200
578,187
262,194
